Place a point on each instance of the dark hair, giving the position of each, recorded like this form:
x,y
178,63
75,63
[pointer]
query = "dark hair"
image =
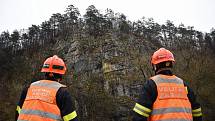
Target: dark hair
x,y
53,76
163,65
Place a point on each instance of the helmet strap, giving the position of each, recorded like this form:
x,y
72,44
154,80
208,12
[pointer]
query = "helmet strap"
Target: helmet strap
x,y
154,67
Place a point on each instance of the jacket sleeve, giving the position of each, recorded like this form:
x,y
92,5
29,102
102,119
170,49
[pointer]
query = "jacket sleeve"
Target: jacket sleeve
x,y
143,106
66,105
21,101
196,108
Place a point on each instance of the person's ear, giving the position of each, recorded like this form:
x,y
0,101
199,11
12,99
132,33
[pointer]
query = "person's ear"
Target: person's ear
x,y
51,74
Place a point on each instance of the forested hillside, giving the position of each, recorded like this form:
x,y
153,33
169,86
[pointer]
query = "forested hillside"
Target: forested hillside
x,y
107,57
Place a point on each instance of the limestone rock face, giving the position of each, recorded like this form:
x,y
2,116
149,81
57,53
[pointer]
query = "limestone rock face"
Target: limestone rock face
x,y
107,65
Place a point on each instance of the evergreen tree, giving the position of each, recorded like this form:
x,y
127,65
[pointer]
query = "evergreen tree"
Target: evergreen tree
x,y
15,40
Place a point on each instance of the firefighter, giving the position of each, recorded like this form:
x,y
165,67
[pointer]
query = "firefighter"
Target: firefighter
x,y
47,100
166,97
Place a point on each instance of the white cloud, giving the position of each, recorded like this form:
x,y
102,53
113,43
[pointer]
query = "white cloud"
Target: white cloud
x,y
17,14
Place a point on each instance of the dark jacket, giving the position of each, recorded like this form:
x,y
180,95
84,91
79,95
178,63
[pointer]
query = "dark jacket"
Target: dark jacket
x,y
148,96
63,99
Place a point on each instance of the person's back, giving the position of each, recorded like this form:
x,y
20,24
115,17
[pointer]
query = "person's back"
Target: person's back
x,y
172,101
47,100
166,97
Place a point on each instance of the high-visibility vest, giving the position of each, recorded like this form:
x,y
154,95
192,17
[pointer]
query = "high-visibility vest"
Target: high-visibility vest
x,y
40,102
172,103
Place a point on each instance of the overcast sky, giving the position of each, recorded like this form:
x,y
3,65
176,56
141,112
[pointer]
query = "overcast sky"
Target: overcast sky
x,y
19,14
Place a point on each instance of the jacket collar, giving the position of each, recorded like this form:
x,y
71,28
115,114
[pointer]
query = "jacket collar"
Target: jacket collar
x,y
165,72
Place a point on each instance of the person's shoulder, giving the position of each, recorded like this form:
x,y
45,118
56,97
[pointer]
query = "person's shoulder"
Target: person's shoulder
x,y
63,90
63,93
186,82
63,86
149,84
151,80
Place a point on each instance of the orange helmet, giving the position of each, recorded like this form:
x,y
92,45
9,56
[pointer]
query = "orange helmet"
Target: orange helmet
x,y
54,64
162,55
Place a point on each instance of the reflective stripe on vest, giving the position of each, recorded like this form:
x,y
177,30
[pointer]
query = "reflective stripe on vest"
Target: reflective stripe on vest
x,y
41,114
158,79
172,103
48,84
40,102
170,87
171,110
43,90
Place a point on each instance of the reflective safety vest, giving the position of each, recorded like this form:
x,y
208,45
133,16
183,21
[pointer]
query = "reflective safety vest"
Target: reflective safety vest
x,y
40,102
172,103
